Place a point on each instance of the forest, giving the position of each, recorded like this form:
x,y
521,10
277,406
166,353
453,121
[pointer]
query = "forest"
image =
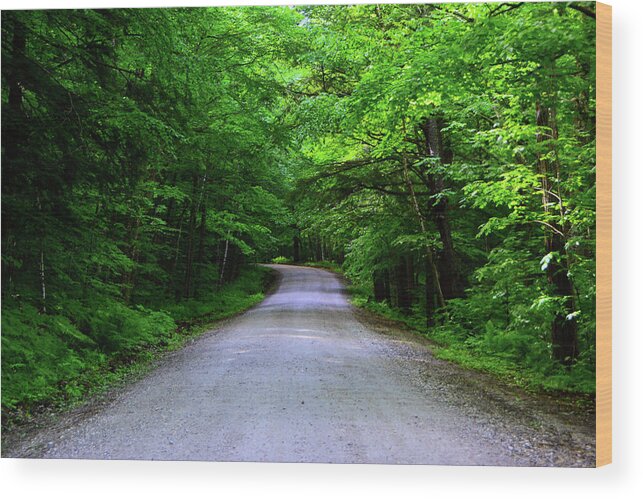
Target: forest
x,y
441,156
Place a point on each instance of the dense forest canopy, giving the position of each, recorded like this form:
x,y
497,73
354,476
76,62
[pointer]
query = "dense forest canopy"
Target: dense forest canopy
x,y
442,154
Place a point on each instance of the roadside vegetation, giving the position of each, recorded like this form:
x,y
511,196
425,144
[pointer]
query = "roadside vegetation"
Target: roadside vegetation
x,y
500,357
449,168
535,373
57,365
443,155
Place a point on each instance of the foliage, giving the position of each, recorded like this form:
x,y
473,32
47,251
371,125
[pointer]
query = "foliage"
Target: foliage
x,y
442,154
142,172
47,357
452,149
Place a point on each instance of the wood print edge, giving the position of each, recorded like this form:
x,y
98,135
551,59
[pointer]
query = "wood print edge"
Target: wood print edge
x,y
603,234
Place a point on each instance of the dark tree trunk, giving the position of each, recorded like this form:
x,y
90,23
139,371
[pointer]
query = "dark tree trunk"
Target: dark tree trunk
x,y
224,261
13,138
189,257
13,125
451,281
410,278
174,267
564,334
201,252
130,277
428,251
381,287
296,248
430,294
401,285
341,257
235,263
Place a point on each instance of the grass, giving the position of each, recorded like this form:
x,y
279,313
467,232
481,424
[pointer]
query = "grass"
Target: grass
x,y
332,266
49,365
544,376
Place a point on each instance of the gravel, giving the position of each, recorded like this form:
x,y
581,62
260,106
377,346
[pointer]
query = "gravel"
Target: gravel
x,y
305,377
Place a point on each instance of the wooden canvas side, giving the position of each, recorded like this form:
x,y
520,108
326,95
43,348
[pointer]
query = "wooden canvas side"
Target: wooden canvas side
x,y
604,234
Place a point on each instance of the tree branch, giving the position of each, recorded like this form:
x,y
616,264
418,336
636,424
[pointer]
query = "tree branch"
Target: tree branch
x,y
549,226
347,166
510,7
582,10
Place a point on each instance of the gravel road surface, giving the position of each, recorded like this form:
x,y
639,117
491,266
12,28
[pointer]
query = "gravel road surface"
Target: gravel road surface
x,y
304,377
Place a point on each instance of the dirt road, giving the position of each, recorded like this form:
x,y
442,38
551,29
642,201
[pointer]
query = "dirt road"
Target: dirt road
x,y
303,377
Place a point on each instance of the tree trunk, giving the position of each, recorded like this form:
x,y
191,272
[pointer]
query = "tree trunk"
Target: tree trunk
x,y
451,281
201,252
177,251
429,294
129,277
410,278
428,250
564,335
13,137
43,288
403,294
296,248
12,124
235,258
224,260
189,257
381,288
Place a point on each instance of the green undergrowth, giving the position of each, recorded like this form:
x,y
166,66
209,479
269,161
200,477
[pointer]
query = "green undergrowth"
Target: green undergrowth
x,y
332,266
281,259
60,358
491,352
